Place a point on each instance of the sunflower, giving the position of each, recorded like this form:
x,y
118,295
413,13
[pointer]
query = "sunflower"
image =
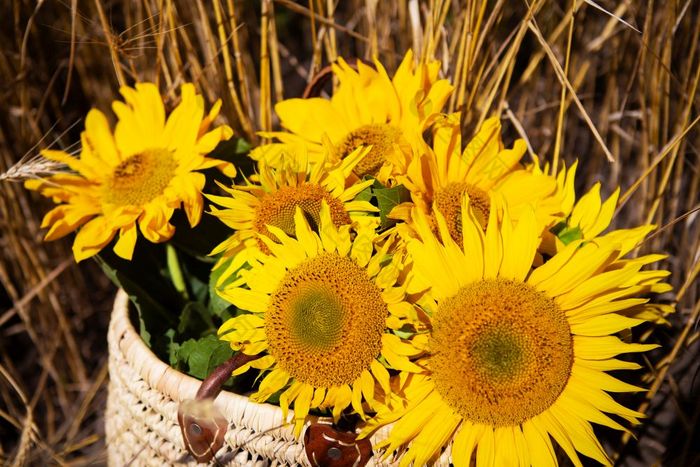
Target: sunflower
x,y
273,198
367,108
322,309
139,174
443,173
516,354
588,219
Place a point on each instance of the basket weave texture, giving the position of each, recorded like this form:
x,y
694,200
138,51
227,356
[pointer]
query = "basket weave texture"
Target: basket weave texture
x,y
141,420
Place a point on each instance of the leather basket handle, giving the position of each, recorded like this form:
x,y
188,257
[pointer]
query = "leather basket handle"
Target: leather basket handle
x,y
202,425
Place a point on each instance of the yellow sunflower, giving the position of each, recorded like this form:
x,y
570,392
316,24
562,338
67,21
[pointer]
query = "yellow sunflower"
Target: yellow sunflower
x,y
516,354
443,173
367,108
322,309
588,219
274,197
139,174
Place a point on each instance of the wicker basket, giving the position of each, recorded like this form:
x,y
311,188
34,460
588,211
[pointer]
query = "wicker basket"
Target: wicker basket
x,y
141,419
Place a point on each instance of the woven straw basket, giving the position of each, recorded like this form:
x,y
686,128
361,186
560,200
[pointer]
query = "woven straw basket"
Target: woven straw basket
x,y
141,419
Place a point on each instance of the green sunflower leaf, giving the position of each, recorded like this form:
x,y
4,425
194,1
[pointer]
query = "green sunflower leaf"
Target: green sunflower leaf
x,y
567,234
388,199
367,194
201,356
217,305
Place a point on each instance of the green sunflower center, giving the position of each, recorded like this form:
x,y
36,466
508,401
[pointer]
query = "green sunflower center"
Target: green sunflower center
x,y
448,200
317,317
325,321
499,353
383,139
277,208
502,352
140,178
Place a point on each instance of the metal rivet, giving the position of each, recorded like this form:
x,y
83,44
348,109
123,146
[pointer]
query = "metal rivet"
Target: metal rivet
x,y
195,429
334,453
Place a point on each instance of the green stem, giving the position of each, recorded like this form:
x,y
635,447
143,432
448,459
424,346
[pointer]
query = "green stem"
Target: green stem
x,y
176,271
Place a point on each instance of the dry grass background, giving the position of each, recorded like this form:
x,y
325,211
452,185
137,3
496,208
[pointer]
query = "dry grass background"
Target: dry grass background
x,y
614,84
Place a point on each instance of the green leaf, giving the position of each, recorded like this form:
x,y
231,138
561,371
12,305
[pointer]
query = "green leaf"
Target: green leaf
x,y
388,199
199,288
203,355
242,146
366,195
217,305
173,348
231,150
565,233
195,320
145,335
153,294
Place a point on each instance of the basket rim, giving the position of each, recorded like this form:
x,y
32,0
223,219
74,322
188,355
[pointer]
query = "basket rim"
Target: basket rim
x,y
173,383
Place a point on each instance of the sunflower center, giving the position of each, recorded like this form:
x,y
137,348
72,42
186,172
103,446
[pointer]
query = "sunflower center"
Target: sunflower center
x,y
140,178
383,139
502,352
278,207
325,321
317,317
448,200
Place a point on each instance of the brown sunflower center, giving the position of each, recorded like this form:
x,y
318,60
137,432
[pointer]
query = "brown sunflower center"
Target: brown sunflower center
x,y
278,207
448,200
325,321
140,178
502,352
383,139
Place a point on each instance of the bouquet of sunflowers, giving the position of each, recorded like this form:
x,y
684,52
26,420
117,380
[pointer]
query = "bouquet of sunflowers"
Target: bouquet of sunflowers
x,y
372,263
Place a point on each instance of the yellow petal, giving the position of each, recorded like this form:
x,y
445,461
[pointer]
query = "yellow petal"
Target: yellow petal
x,y
273,382
486,451
589,259
91,238
343,398
519,249
381,374
604,325
302,116
581,434
546,422
465,440
245,299
588,411
436,433
154,224
182,127
493,247
357,399
601,348
100,139
398,362
245,322
539,446
603,380
367,385
552,267
124,248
